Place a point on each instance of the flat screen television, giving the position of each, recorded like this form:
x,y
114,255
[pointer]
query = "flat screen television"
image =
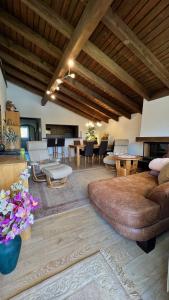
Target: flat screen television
x,y
66,131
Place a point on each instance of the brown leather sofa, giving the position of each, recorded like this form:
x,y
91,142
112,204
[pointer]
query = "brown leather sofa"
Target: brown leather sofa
x,y
136,206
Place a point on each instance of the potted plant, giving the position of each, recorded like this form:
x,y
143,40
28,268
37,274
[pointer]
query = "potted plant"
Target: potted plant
x,y
90,134
16,207
10,137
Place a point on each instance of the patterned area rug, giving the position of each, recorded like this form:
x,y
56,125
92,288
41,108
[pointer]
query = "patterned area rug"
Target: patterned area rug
x,y
73,195
94,278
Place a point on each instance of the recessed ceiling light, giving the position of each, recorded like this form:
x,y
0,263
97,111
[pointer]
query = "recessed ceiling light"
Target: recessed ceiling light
x,y
57,88
59,81
53,96
70,63
48,92
72,75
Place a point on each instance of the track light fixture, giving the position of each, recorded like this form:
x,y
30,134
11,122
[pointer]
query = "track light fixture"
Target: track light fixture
x,y
60,80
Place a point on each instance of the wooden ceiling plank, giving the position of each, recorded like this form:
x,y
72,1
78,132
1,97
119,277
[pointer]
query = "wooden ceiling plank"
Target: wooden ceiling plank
x,y
65,28
106,62
88,102
129,39
93,95
159,94
23,67
29,34
82,107
19,75
26,54
24,85
88,22
106,87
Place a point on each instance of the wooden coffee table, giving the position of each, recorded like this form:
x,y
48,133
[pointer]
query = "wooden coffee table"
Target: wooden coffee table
x,y
126,164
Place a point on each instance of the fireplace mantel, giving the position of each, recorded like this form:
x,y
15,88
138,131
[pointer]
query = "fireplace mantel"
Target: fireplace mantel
x,y
153,139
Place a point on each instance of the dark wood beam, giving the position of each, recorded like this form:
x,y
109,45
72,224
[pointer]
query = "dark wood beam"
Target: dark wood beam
x,y
35,60
89,103
26,54
23,67
75,110
27,79
29,34
159,94
110,65
130,40
24,85
32,89
105,86
88,22
52,18
99,99
81,107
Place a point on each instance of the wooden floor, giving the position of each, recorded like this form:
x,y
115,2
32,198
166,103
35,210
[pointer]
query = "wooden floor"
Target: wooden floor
x,y
62,240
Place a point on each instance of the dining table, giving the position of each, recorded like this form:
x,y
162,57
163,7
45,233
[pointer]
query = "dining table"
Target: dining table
x,y
77,149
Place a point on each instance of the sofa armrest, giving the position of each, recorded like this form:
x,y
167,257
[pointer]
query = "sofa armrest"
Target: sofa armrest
x,y
160,195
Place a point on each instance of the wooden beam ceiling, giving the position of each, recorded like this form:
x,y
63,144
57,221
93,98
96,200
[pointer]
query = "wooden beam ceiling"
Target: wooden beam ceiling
x,y
106,87
25,78
32,58
23,67
67,30
84,100
73,109
86,25
82,107
129,39
24,85
39,41
160,94
26,54
29,34
88,22
95,96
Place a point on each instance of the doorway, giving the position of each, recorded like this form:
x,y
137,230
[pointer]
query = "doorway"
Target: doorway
x,y
30,130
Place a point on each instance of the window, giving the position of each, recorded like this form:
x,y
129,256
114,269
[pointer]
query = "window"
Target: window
x,y
24,132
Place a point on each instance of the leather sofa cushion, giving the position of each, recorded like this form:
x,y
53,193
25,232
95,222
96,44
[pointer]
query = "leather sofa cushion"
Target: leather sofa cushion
x,y
160,195
123,199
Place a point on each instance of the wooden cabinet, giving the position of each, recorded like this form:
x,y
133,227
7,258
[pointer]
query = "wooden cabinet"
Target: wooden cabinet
x,y
10,170
13,122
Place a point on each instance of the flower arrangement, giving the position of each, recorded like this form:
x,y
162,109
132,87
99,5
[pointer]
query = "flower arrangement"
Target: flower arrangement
x,y
10,135
16,206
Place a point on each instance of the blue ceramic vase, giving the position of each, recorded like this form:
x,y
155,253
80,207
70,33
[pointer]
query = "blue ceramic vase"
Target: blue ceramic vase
x,y
9,254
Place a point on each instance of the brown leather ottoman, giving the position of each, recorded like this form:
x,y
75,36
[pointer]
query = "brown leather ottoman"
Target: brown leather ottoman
x,y
123,202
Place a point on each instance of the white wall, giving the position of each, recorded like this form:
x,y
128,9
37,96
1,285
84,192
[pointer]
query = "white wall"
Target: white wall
x,y
125,129
2,94
155,118
29,105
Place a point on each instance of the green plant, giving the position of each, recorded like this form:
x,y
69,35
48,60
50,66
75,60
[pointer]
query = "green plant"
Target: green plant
x,y
90,134
10,135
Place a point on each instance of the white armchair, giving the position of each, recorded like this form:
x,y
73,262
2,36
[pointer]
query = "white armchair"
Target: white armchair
x,y
39,159
120,147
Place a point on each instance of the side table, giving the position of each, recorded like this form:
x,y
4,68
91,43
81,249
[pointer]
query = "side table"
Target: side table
x,y
126,164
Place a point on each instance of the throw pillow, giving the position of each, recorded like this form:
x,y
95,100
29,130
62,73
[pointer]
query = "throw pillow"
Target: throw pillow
x,y
164,174
158,163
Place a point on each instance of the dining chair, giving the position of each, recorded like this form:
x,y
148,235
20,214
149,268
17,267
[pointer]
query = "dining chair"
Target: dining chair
x,y
102,150
88,151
